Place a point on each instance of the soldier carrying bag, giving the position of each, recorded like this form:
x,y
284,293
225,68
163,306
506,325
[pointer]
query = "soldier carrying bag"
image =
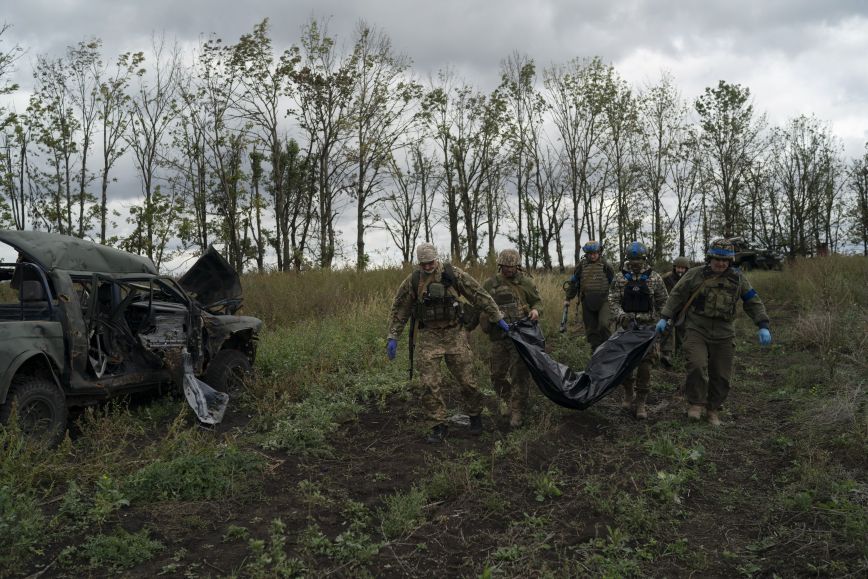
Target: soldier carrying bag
x,y
438,304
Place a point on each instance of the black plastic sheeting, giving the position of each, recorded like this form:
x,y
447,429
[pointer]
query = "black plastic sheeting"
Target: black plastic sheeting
x,y
608,367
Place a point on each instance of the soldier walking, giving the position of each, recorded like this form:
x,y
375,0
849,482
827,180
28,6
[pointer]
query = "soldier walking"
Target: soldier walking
x,y
708,297
591,282
672,346
637,297
517,297
430,295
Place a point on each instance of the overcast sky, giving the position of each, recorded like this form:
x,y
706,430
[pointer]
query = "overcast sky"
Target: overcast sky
x,y
796,56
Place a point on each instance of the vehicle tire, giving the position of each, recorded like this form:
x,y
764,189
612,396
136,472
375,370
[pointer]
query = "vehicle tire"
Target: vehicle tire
x,y
41,408
228,371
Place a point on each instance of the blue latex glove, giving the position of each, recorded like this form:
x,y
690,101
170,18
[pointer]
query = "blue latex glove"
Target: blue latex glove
x,y
503,325
392,348
661,326
765,337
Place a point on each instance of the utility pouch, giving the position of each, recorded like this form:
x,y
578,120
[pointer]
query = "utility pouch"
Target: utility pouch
x,y
637,298
469,316
436,291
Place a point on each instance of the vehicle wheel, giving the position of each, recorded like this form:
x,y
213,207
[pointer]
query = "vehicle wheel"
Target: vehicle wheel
x,y
228,371
41,408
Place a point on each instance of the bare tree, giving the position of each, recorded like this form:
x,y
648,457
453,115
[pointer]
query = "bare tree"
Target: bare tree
x,y
576,98
730,139
113,112
859,187
324,84
437,112
662,116
262,92
153,108
383,101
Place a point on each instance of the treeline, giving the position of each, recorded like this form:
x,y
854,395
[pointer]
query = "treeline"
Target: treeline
x,y
266,153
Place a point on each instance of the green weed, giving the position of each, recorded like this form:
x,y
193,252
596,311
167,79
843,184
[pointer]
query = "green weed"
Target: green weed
x,y
268,558
21,527
403,513
306,426
205,473
114,553
544,485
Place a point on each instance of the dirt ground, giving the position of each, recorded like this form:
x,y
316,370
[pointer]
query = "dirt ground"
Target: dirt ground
x,y
572,494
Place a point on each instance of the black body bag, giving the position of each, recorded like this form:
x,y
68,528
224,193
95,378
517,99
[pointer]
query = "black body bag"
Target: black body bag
x,y
608,367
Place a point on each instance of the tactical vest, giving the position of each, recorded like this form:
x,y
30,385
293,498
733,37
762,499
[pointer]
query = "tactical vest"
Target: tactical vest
x,y
594,285
508,298
637,297
435,303
719,297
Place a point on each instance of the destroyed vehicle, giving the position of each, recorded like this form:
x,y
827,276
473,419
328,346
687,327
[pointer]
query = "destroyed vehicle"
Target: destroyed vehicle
x,y
82,322
748,257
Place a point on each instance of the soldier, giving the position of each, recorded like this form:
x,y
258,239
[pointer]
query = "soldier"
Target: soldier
x,y
430,294
517,297
672,345
636,297
591,282
708,296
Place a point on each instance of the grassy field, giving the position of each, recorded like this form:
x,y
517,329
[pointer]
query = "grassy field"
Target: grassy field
x,y
320,466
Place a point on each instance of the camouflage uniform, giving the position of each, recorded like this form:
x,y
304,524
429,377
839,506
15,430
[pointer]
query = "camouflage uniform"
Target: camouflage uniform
x,y
709,345
440,336
637,295
591,281
675,342
515,296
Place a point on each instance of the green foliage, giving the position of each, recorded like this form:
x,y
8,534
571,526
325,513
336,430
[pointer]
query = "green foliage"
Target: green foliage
x,y
113,553
208,473
403,513
81,510
307,425
21,527
612,556
268,558
451,478
545,485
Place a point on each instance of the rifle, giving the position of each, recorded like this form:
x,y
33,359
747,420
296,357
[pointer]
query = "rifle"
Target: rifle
x,y
564,317
412,342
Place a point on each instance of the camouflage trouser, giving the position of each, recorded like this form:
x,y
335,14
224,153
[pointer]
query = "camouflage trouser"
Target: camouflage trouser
x,y
510,377
640,376
709,368
596,325
449,344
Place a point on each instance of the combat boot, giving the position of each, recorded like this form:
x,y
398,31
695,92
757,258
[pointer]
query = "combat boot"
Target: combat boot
x,y
641,412
694,412
438,433
627,402
476,425
714,418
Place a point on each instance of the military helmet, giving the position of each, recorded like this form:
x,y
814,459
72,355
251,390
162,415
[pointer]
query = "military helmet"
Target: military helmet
x,y
425,253
509,258
636,251
681,261
592,246
721,248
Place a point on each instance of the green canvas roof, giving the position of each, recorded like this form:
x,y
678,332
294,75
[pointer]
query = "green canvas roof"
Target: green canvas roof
x,y
54,251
